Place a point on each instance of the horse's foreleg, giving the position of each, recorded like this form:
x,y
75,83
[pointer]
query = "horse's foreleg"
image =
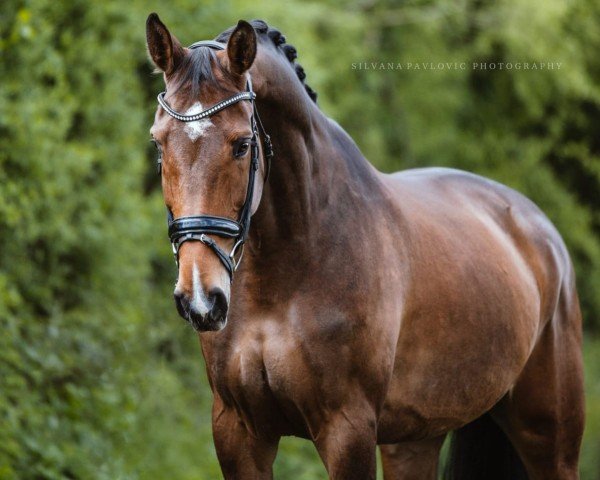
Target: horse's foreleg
x,y
411,460
241,455
347,445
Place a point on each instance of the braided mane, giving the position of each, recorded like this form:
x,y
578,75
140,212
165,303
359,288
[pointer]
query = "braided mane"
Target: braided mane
x,y
278,39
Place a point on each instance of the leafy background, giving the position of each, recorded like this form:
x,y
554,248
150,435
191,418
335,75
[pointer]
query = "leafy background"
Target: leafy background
x,y
99,378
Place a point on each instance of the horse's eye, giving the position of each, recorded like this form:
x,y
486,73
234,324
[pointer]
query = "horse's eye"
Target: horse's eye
x,y
241,148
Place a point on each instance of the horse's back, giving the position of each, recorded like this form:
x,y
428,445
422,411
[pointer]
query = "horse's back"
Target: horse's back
x,y
484,272
468,208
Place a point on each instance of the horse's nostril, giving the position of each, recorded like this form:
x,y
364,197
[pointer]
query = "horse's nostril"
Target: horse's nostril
x,y
218,300
182,304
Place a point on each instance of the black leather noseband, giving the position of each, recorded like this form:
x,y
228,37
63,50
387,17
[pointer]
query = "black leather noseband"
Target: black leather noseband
x,y
199,227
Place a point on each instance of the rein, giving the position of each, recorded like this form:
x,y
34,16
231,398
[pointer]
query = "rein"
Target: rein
x,y
198,227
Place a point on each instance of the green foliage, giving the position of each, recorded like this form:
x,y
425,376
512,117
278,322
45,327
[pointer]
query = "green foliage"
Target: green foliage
x,y
98,377
71,217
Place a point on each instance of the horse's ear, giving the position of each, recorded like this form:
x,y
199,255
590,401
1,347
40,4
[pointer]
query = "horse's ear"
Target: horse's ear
x,y
165,50
241,48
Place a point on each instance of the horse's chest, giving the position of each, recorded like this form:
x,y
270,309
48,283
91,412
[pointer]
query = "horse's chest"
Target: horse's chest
x,y
256,374
245,373
279,377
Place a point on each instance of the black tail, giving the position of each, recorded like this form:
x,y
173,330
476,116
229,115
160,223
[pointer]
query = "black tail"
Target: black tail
x,y
481,451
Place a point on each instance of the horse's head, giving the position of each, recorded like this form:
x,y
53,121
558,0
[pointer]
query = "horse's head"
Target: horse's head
x,y
209,164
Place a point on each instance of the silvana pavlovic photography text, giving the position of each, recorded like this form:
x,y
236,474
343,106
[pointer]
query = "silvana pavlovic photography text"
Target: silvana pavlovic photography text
x,y
422,66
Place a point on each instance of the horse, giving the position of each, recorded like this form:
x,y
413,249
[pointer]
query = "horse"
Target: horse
x,y
369,308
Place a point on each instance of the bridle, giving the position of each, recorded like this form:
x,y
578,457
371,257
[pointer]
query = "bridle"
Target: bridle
x,y
199,227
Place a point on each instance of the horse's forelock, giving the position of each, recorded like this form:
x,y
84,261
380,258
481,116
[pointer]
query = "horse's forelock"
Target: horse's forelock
x,y
196,69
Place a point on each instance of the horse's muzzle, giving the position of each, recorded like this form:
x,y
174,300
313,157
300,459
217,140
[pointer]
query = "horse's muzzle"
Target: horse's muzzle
x,y
214,319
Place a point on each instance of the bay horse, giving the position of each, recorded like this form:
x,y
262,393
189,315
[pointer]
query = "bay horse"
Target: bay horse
x,y
369,309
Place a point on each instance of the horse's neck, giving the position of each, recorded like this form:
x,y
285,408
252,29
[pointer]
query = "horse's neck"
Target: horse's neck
x,y
318,175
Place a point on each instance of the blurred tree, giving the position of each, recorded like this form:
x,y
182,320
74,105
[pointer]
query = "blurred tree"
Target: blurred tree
x,y
76,262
